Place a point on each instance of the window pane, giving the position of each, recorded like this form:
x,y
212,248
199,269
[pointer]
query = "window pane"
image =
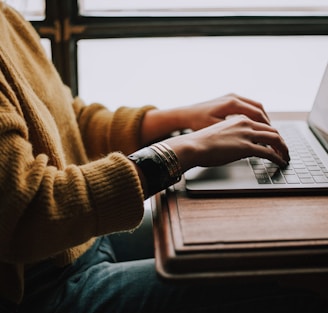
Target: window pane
x,y
281,72
202,7
46,43
31,9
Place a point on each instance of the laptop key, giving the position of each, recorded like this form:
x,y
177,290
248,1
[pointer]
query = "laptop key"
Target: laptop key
x,y
316,173
302,171
320,179
288,172
277,178
309,180
304,168
304,175
263,178
292,179
299,166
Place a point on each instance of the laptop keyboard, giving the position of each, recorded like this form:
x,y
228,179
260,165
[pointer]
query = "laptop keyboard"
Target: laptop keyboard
x,y
305,167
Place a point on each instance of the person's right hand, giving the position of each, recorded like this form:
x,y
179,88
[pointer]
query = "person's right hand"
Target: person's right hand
x,y
227,141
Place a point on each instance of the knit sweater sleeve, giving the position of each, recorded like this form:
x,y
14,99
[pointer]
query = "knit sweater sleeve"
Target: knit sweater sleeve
x,y
102,129
45,209
51,197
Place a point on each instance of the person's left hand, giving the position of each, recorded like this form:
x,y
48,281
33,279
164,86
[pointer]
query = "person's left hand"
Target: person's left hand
x,y
158,124
210,112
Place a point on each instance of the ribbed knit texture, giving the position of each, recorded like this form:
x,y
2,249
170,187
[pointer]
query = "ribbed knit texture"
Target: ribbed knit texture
x,y
53,199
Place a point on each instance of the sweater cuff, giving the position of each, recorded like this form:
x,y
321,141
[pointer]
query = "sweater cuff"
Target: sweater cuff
x,y
127,121
115,193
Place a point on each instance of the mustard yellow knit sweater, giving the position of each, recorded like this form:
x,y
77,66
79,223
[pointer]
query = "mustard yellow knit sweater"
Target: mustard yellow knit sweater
x,y
61,181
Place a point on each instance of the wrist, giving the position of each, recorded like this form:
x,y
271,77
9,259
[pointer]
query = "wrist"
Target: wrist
x,y
158,167
185,150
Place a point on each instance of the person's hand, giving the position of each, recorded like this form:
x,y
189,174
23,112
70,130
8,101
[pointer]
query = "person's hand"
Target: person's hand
x,y
158,124
210,112
227,141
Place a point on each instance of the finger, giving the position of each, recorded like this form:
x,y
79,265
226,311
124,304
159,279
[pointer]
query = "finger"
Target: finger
x,y
266,152
267,135
252,111
254,103
274,141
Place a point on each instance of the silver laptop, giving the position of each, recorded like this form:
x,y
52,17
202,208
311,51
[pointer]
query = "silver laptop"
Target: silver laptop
x,y
306,173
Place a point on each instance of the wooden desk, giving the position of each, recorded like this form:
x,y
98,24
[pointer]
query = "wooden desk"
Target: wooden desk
x,y
239,238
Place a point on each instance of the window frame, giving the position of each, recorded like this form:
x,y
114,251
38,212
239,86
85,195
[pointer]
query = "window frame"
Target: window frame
x,y
64,26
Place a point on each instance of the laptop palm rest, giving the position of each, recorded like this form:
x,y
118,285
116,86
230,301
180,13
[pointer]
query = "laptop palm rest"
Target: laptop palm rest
x,y
232,176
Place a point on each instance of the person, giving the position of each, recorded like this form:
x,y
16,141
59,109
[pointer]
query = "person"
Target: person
x,y
71,174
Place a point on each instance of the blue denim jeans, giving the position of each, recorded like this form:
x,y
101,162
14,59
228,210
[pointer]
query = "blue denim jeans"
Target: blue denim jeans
x,y
100,282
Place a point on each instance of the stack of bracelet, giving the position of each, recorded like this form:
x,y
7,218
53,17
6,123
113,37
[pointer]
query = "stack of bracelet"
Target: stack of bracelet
x,y
159,165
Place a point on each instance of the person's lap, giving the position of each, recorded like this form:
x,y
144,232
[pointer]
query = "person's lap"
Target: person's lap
x,y
97,283
118,275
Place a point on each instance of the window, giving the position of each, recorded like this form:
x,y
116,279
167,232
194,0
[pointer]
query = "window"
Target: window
x,y
183,51
172,52
32,10
201,8
283,72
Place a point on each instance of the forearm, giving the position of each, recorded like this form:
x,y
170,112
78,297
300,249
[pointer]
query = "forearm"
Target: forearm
x,y
40,199
102,130
159,124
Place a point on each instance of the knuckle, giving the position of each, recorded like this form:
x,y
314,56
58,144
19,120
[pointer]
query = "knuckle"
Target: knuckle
x,y
232,100
231,95
276,137
259,114
244,120
260,105
247,145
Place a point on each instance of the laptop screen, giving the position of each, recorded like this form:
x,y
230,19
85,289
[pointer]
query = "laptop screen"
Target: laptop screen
x,y
318,118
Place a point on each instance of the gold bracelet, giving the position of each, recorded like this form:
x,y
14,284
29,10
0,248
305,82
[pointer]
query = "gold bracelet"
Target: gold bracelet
x,y
169,159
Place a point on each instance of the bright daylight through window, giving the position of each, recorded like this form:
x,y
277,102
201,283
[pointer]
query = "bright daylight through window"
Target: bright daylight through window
x,y
203,7
31,9
182,70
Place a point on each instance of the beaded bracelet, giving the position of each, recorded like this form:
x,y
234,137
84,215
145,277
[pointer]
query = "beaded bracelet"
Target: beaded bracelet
x,y
160,166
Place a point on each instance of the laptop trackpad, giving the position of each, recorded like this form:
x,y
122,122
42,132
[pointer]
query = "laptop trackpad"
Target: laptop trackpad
x,y
231,176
